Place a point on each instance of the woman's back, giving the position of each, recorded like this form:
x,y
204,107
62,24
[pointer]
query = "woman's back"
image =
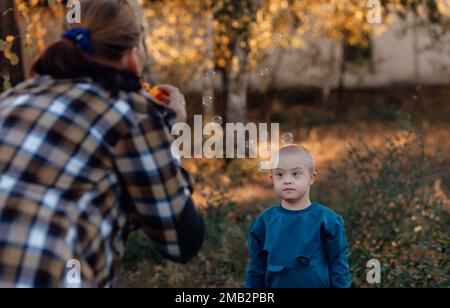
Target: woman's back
x,y
85,159
66,148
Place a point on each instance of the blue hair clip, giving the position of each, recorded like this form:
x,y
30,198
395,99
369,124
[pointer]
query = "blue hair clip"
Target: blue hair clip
x,y
82,39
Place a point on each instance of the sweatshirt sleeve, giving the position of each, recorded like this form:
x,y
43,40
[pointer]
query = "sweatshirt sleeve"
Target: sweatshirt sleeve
x,y
336,247
256,268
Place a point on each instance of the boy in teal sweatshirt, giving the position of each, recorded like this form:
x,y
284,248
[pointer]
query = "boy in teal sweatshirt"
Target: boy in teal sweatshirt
x,y
297,244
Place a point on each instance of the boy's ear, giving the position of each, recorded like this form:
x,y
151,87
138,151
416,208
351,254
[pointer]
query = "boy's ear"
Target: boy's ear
x,y
313,178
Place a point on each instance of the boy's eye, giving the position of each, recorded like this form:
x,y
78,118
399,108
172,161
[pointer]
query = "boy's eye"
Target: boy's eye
x,y
296,173
279,174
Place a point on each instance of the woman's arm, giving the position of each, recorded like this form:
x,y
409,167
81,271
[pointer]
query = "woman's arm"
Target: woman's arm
x,y
159,189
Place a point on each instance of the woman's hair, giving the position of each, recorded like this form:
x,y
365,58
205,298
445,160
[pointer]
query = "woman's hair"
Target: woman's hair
x,y
114,28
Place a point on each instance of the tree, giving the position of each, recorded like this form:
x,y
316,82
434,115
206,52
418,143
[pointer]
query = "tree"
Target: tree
x,y
10,65
190,39
32,34
228,37
246,33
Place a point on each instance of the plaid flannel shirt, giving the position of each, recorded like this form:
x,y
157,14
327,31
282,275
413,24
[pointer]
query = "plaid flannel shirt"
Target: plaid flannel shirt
x,y
79,170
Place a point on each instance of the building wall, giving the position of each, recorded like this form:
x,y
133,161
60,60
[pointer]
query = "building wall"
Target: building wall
x,y
398,58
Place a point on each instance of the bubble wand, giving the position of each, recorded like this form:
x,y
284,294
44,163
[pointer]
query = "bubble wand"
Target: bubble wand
x,y
159,95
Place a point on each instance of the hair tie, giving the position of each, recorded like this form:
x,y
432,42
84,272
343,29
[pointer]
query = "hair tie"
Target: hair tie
x,y
81,38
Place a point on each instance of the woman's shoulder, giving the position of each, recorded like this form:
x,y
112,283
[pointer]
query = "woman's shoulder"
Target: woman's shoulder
x,y
28,84
45,85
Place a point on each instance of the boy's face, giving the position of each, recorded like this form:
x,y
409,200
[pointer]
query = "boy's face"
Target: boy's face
x,y
292,177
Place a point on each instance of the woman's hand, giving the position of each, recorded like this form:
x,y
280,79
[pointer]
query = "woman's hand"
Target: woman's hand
x,y
174,100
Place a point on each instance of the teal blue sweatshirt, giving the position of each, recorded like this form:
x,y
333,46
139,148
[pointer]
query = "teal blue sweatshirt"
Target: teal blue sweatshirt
x,y
298,249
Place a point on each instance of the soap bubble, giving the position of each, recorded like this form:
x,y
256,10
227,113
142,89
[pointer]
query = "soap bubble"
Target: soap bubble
x,y
287,138
277,38
249,144
210,75
217,120
207,100
264,72
260,167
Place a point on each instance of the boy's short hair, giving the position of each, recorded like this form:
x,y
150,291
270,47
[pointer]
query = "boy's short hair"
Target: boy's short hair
x,y
301,150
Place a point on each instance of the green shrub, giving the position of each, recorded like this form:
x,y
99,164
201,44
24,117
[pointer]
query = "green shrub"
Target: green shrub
x,y
394,214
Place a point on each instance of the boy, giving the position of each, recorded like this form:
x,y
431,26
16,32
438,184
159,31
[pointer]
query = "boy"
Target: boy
x,y
297,244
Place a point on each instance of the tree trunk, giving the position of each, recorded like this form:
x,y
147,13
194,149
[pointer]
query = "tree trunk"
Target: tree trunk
x,y
224,95
342,72
9,26
329,76
208,78
416,50
272,85
237,97
234,99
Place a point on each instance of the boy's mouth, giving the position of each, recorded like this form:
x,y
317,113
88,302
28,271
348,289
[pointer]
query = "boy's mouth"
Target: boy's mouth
x,y
288,189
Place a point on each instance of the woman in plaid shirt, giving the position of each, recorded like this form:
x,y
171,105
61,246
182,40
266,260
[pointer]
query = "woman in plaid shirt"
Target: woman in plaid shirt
x,y
85,159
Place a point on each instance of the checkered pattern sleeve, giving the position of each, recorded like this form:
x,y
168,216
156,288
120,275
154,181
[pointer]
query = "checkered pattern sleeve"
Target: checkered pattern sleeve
x,y
159,188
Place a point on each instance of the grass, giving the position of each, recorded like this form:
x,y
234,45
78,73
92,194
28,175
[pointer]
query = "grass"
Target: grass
x,y
221,261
